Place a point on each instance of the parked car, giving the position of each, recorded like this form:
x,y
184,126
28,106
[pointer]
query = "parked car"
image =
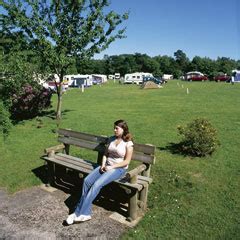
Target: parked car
x,y
153,79
198,78
195,76
222,78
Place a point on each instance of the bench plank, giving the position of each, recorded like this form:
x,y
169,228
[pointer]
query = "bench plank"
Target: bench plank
x,y
143,157
146,179
67,164
80,162
76,159
147,149
82,143
82,136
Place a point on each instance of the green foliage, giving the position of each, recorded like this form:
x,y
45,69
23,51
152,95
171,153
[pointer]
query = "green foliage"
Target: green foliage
x,y
17,57
21,101
19,66
158,65
199,137
5,122
182,61
63,31
12,85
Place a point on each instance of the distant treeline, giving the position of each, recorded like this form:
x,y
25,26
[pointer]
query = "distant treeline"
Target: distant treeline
x,y
158,65
17,56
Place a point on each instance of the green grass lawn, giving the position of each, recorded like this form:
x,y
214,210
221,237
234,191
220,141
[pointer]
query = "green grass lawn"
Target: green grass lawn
x,y
190,198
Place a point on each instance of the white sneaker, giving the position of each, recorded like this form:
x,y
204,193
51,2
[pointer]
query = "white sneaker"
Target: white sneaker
x,y
82,218
71,218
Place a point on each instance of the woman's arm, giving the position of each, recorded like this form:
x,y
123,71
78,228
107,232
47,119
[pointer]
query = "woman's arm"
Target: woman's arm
x,y
125,162
105,155
104,159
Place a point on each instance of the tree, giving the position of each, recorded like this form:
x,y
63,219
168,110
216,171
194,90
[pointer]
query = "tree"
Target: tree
x,y
18,66
151,65
226,65
130,64
13,51
204,65
115,64
63,31
140,60
181,60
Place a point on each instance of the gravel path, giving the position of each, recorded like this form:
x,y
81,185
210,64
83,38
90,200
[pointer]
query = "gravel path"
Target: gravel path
x,y
38,214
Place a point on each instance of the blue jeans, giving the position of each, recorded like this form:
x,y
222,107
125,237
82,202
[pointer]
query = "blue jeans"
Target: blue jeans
x,y
92,186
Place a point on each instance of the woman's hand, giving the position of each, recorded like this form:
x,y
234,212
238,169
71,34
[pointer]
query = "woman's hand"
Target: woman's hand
x,y
105,168
102,169
108,168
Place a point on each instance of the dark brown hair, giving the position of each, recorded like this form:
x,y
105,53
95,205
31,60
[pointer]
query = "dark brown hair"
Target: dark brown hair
x,y
123,124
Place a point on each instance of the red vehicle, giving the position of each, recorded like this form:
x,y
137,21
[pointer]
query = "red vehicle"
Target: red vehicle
x,y
222,78
52,86
198,78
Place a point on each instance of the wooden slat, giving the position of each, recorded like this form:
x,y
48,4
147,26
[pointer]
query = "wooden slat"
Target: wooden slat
x,y
136,170
81,143
65,161
144,148
143,157
79,162
146,179
67,164
90,163
83,136
135,186
145,184
54,148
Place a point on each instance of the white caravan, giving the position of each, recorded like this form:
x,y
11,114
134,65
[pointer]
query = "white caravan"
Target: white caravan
x,y
110,76
78,80
235,76
167,76
117,76
136,77
99,78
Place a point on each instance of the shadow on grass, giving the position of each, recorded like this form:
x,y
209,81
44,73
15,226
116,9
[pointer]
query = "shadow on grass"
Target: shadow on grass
x,y
112,197
176,148
41,173
47,113
52,114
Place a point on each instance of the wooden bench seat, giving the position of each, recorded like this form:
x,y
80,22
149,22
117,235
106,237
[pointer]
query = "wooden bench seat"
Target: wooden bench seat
x,y
135,182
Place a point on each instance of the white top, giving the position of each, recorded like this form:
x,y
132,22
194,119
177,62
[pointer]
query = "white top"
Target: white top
x,y
116,153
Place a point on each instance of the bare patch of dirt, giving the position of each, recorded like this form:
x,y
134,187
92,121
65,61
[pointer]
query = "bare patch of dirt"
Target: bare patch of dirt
x,y
37,214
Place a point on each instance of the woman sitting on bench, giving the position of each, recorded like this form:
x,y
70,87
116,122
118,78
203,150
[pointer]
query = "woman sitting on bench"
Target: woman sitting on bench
x,y
115,162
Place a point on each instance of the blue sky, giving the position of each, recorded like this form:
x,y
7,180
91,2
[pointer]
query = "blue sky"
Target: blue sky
x,y
205,28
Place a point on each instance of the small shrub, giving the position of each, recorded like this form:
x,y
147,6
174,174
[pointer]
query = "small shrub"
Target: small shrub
x,y
5,122
199,138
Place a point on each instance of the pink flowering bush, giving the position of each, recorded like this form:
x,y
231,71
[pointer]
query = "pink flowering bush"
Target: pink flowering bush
x,y
29,102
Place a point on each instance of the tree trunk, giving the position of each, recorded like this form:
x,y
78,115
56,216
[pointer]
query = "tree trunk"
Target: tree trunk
x,y
59,105
59,93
